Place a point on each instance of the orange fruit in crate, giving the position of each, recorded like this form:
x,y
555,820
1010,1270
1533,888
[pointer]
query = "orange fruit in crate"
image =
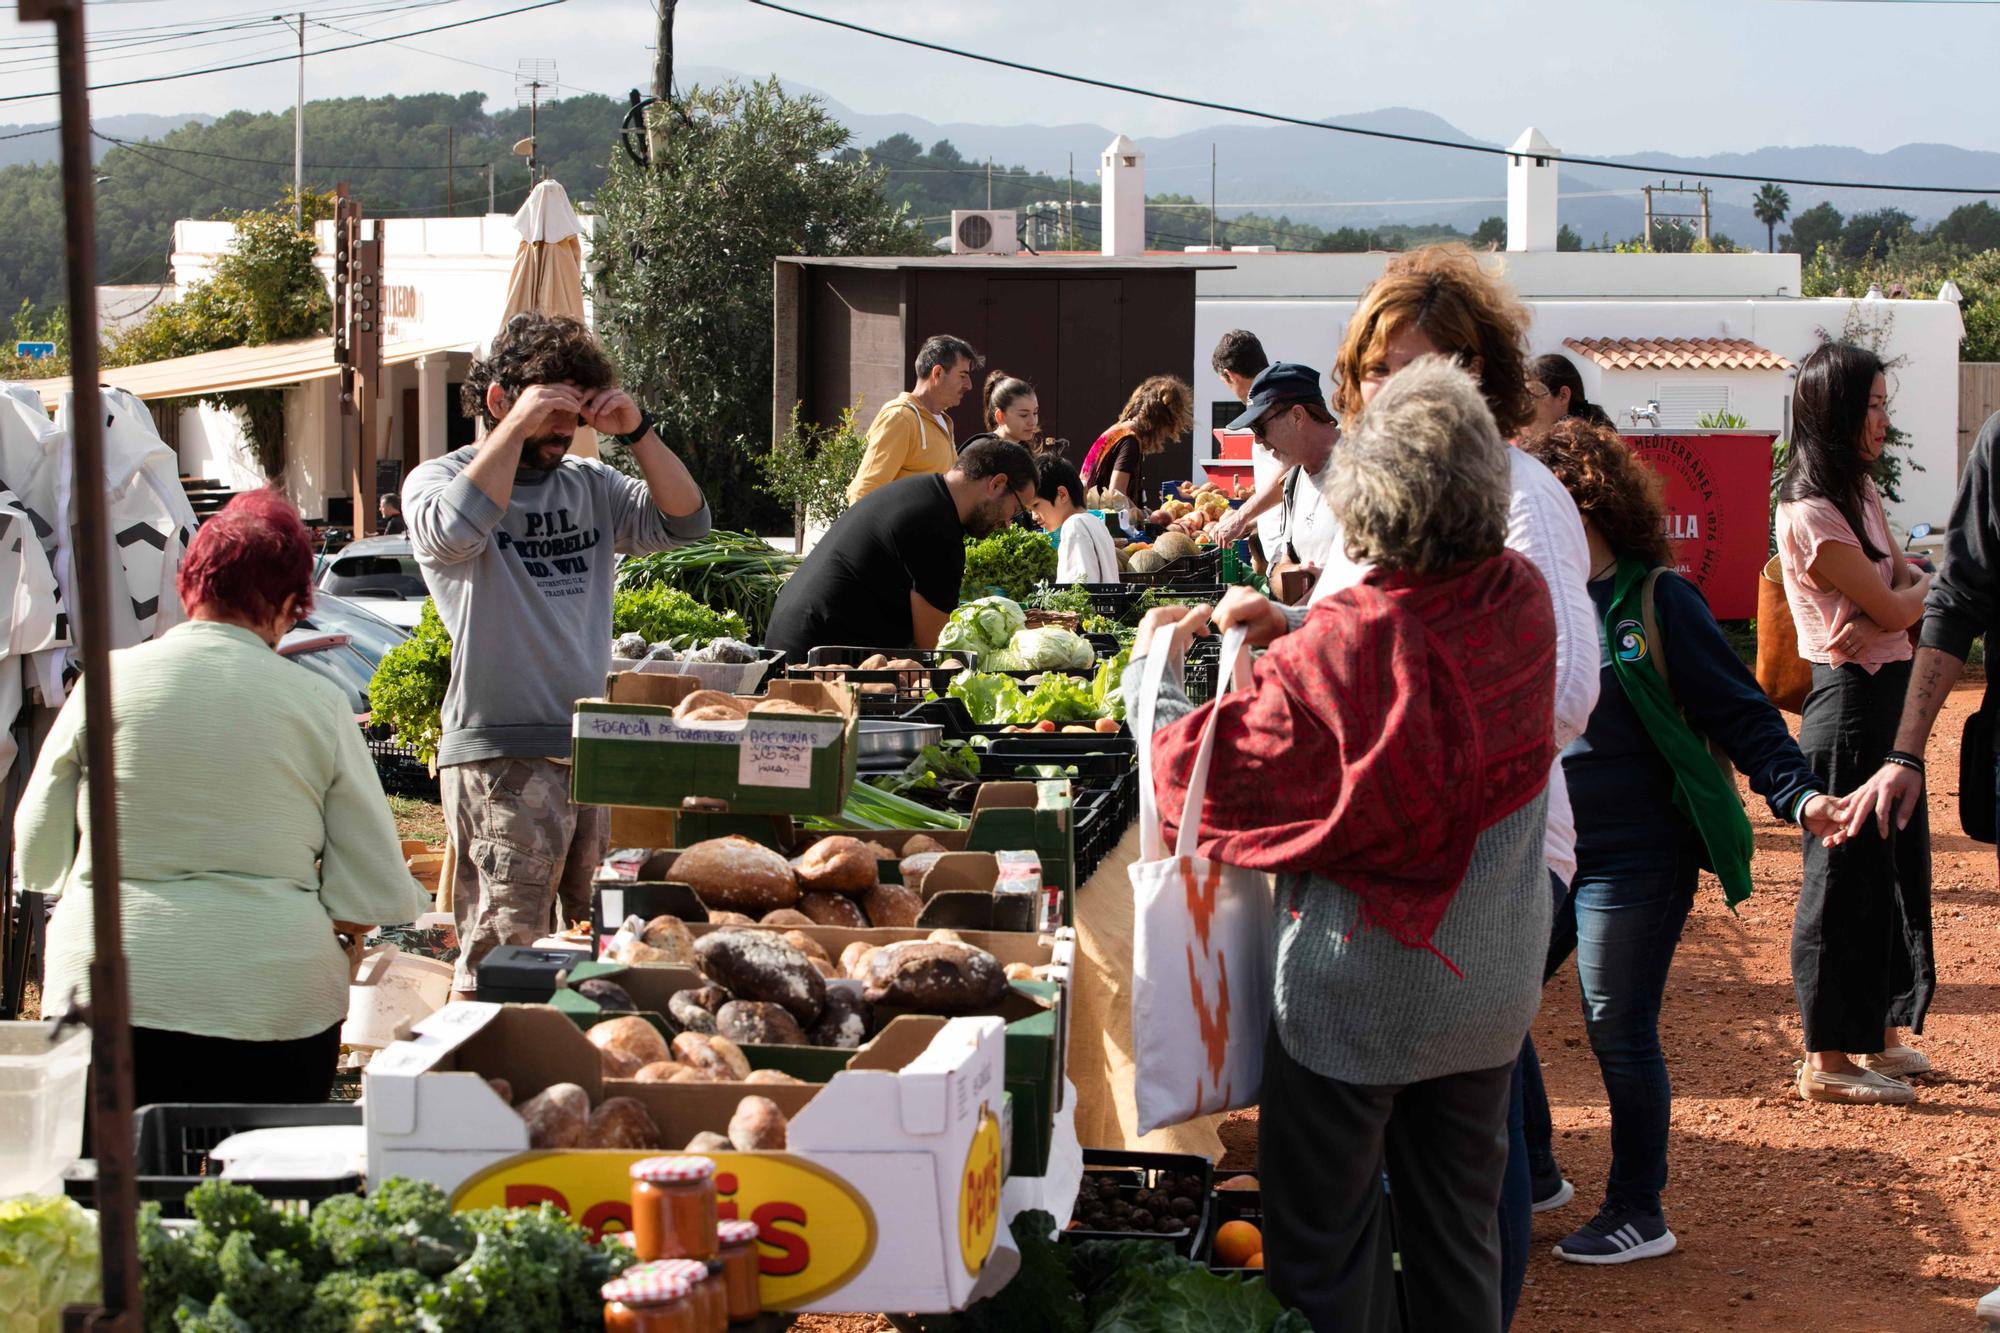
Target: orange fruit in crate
x,y
1256,1260
1236,1243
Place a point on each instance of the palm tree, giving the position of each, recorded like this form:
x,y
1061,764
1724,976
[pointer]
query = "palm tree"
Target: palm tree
x,y
1771,206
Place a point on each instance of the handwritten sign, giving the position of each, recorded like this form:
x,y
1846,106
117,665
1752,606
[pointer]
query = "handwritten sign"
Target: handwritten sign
x,y
775,754
594,724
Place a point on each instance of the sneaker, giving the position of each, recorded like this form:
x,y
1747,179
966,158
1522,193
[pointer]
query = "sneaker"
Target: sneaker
x,y
1866,1088
1550,1190
1896,1062
1617,1235
1989,1308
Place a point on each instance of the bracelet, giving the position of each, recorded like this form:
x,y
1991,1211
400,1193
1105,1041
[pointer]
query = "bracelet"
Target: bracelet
x,y
1904,759
1799,806
638,432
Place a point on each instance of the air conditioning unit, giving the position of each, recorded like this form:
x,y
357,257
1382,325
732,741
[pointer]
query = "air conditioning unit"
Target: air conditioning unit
x,y
983,231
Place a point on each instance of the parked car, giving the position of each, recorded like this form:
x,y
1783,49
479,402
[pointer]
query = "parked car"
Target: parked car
x,y
381,571
335,657
345,641
373,636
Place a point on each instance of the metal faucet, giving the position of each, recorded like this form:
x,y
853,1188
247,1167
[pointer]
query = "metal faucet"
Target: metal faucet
x,y
1649,414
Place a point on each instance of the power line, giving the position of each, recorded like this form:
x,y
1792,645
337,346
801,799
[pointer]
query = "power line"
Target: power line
x,y
1419,139
439,55
274,60
271,161
101,38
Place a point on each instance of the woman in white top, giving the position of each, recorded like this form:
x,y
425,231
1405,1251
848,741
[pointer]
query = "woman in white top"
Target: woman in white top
x,y
1084,551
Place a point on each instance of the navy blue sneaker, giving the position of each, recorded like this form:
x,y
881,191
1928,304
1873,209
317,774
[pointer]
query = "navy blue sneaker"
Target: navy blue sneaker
x,y
1549,1189
1617,1235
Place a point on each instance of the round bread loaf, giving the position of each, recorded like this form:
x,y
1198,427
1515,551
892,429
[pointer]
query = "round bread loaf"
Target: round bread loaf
x,y
936,978
556,1116
700,699
627,1045
759,965
737,875
833,909
836,864
892,905
921,844
916,867
807,945
621,1123
787,916
756,1023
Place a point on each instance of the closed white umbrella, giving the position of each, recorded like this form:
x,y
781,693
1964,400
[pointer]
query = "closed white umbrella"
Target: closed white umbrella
x,y
548,270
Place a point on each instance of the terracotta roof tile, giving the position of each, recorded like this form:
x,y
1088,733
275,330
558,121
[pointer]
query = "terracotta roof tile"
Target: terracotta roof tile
x,y
1678,353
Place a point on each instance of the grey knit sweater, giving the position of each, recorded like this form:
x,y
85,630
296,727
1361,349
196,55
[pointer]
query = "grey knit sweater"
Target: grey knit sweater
x,y
1360,1007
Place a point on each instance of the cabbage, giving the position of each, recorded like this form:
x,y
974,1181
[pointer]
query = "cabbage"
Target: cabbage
x,y
983,625
48,1259
1049,647
1003,659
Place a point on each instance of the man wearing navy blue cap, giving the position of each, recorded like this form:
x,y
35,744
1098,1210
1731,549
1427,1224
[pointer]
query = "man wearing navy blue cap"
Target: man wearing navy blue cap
x,y
1287,413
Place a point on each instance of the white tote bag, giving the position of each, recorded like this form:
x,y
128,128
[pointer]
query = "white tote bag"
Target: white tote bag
x,y
1201,946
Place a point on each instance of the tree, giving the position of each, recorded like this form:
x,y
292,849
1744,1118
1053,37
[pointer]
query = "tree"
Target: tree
x,y
684,296
1771,206
1490,234
1972,228
1817,226
1870,235
1567,239
265,289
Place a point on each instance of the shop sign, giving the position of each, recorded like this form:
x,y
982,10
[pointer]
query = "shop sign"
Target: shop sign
x,y
1718,488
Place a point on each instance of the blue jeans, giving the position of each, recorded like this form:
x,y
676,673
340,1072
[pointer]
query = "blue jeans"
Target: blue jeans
x,y
1517,1203
1623,922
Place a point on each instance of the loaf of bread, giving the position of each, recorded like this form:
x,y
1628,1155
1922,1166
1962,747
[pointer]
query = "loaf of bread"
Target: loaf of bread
x,y
915,868
731,919
708,1141
844,1021
556,1116
759,1023
689,1008
660,1071
718,1055
787,916
737,875
807,945
937,978
922,844
627,1045
609,995
891,905
621,1123
670,935
729,705
758,1125
836,864
759,965
771,1076
833,909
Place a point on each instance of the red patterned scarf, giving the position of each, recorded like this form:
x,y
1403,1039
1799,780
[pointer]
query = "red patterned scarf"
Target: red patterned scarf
x,y
1406,717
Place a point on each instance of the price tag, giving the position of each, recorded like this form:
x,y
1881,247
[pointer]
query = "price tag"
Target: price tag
x,y
775,754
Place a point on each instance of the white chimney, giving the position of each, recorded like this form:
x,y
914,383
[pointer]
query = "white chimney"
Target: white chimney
x,y
1123,176
1531,192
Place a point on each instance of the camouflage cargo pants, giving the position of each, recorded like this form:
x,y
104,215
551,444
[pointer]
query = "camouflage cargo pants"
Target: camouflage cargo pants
x,y
522,846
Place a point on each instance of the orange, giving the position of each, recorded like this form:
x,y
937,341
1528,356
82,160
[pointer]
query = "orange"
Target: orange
x,y
1236,1243
1256,1260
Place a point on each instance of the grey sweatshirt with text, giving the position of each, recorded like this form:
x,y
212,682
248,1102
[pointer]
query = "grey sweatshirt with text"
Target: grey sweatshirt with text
x,y
526,594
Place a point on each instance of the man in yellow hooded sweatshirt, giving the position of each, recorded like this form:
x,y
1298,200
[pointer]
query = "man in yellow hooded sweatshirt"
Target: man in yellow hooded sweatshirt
x,y
911,435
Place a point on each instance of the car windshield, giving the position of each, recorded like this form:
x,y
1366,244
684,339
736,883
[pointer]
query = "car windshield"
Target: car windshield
x,y
342,665
373,636
385,574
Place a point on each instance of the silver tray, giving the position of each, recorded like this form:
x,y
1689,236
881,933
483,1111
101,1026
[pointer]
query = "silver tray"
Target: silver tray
x,y
886,738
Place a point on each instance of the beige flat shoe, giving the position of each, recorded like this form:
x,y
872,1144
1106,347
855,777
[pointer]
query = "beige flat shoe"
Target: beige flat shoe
x,y
1896,1062
1866,1088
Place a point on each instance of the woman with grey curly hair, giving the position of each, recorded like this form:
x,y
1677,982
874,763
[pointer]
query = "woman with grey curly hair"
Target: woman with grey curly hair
x,y
1390,764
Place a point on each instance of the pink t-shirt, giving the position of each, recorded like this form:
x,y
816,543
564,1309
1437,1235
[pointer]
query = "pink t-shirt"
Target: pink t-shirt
x,y
1818,610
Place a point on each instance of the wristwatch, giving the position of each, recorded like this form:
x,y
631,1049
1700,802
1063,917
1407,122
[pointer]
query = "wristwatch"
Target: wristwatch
x,y
638,432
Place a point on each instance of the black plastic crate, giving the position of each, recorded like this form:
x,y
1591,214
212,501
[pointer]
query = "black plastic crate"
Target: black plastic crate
x,y
397,766
1232,1206
174,1140
904,688
1130,1173
1201,673
1111,599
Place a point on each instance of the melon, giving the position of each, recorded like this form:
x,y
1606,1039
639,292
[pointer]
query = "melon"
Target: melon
x,y
1148,562
1175,546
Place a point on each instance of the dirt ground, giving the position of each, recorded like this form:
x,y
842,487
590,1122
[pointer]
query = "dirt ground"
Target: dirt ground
x,y
1790,1215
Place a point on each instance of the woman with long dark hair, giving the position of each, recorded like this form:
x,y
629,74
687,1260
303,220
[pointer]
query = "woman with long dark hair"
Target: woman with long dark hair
x,y
1557,390
1652,808
1861,940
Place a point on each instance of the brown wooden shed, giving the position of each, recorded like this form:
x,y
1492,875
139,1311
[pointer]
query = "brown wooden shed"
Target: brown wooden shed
x,y
1083,329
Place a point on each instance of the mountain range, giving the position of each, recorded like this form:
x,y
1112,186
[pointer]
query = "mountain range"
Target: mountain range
x,y
31,147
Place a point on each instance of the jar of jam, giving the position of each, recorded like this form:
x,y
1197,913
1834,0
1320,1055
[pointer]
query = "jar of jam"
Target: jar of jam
x,y
650,1302
673,1208
706,1292
739,1268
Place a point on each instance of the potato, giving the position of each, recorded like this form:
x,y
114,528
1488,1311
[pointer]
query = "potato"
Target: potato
x,y
771,1076
709,1141
759,1024
833,909
757,1126
872,662
556,1116
622,1123
626,1045
836,864
787,916
892,905
757,965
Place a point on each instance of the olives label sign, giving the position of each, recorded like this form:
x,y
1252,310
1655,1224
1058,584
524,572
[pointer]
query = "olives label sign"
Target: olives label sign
x,y
775,754
817,1232
979,1194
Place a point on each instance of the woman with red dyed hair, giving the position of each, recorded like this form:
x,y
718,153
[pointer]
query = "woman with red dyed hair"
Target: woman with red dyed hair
x,y
251,829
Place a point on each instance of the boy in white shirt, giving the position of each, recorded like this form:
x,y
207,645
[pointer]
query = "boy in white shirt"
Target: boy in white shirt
x,y
1084,550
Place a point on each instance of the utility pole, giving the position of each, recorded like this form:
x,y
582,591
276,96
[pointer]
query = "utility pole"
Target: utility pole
x,y
489,187
1211,195
989,183
1704,212
299,132
534,133
663,86
450,171
1648,191
1070,220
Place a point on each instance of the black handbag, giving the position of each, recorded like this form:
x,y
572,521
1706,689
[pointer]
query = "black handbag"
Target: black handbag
x,y
1975,773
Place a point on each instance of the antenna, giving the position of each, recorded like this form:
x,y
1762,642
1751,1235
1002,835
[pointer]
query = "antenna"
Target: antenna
x,y
531,76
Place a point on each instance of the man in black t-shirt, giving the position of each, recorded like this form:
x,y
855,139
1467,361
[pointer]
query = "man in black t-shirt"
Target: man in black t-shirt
x,y
887,573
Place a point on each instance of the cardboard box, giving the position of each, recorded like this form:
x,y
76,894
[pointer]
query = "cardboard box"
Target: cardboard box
x,y
630,750
888,1197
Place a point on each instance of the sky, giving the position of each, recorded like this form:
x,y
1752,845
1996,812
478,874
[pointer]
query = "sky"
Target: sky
x,y
1679,76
